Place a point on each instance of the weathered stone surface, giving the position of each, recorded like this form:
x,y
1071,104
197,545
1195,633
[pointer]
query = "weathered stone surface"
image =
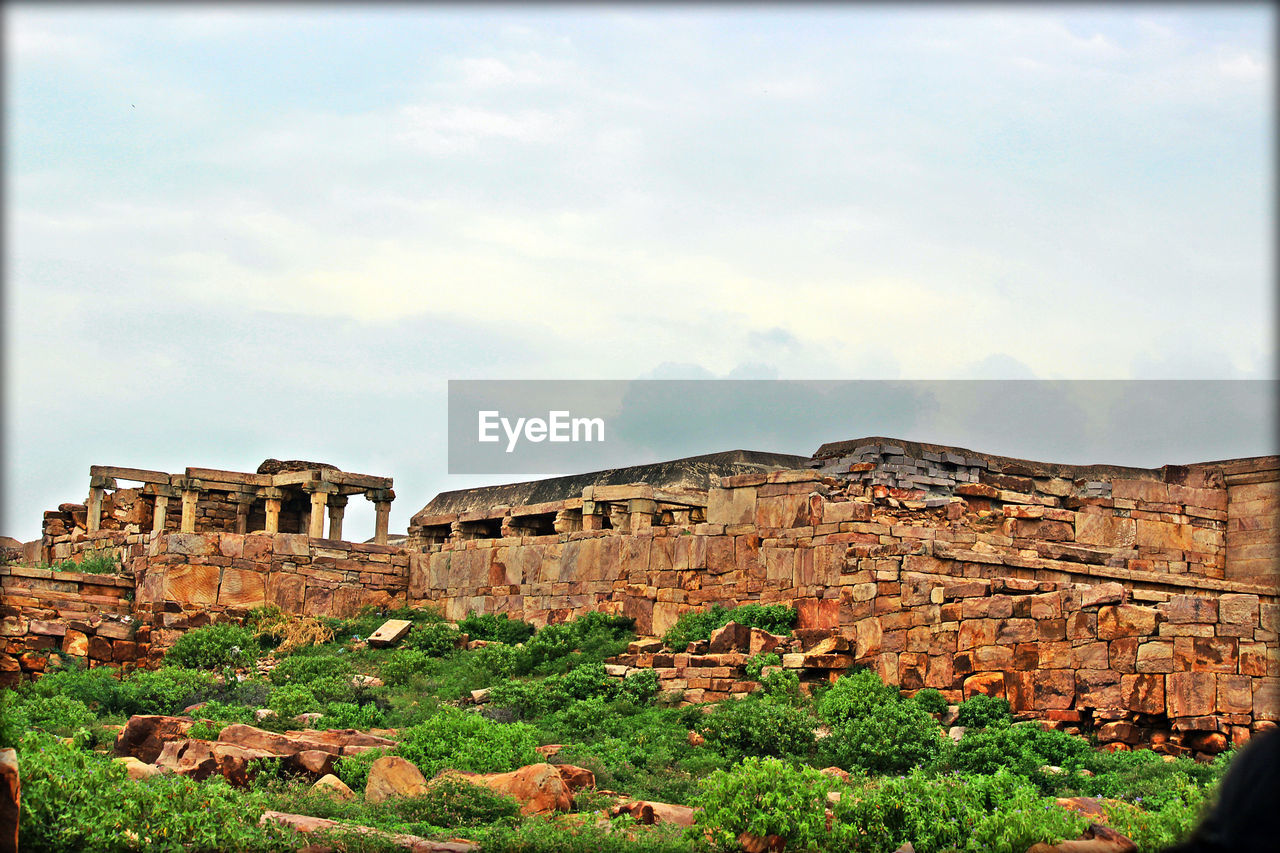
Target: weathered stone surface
x,y
389,633
334,786
192,584
728,638
137,769
1191,694
145,735
538,788
1126,620
393,776
10,800
242,588
650,812
332,741
576,778
413,843
1143,694
1105,593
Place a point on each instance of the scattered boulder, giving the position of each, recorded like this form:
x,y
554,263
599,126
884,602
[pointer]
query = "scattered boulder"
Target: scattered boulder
x,y
835,773
538,788
416,844
333,741
576,778
137,769
956,733
392,776
1089,807
548,750
313,762
695,739
188,757
760,641
145,735
334,786
1096,839
479,697
389,633
308,718
359,680
263,714
10,800
729,638
649,812
757,844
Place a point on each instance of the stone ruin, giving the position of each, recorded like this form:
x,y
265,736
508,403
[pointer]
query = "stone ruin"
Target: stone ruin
x,y
1139,604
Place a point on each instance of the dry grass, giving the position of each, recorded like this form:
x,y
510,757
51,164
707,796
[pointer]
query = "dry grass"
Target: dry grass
x,y
292,632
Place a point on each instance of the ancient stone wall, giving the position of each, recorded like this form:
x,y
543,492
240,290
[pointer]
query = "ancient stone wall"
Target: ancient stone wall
x,y
1076,607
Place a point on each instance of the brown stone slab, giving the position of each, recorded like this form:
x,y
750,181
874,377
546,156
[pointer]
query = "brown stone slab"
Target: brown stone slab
x,y
390,632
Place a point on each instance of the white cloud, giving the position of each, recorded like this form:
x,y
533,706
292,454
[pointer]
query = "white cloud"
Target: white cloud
x,y
442,129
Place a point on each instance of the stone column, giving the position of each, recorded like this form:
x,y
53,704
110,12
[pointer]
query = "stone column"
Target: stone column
x,y
190,495
94,506
319,498
244,506
337,507
382,499
641,512
272,497
160,512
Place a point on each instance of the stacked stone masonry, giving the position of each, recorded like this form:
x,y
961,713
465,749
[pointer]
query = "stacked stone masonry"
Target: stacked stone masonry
x,y
1137,603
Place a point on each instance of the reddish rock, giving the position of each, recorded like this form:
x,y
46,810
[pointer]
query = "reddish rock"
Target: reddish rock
x,y
145,735
538,788
1191,694
413,843
1212,743
10,800
332,741
393,776
576,778
695,739
188,757
730,638
757,844
1126,620
334,786
389,633
1119,730
649,812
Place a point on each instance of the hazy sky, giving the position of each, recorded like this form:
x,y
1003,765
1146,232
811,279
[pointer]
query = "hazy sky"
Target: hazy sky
x,y
243,231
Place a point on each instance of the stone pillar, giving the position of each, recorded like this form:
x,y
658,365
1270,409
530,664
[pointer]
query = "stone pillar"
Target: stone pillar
x,y
591,517
160,512
244,505
382,499
319,499
337,507
272,497
641,512
190,495
94,506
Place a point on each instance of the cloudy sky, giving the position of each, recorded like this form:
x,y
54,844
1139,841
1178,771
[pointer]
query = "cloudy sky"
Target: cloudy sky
x,y
243,231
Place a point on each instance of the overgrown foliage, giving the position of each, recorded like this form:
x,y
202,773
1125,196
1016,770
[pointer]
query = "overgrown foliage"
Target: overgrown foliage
x,y
700,624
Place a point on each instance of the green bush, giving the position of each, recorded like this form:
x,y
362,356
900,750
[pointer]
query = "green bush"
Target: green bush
x,y
591,638
539,835
11,728
700,624
891,738
980,711
401,666
100,563
162,691
854,695
1021,749
213,647
756,663
348,715
437,639
503,661
930,701
306,668
767,796
758,727
354,769
74,799
640,686
99,688
290,700
496,628
459,740
59,715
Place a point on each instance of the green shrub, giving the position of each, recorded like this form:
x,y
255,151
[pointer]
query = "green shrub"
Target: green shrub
x,y
539,835
74,800
290,700
766,796
758,727
354,769
348,715
162,691
306,668
980,711
930,701
503,661
591,638
756,663
854,695
213,647
997,813
11,728
891,738
1021,748
783,686
56,714
700,624
100,563
496,628
403,665
640,686
437,639
99,688
459,740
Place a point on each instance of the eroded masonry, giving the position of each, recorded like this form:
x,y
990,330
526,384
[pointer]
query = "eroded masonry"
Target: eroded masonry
x,y
1137,603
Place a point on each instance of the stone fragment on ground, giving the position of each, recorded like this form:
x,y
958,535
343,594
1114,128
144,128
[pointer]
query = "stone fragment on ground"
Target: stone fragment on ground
x,y
392,776
10,800
576,778
136,768
416,844
334,786
1096,839
389,633
538,788
651,812
145,735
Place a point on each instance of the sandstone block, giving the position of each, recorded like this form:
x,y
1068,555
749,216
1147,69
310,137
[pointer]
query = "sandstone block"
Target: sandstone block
x,y
191,584
1238,609
987,683
1191,694
1055,688
1235,694
1155,656
1126,620
393,776
334,786
10,797
1106,593
389,633
1182,609
242,588
1214,654
1143,693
